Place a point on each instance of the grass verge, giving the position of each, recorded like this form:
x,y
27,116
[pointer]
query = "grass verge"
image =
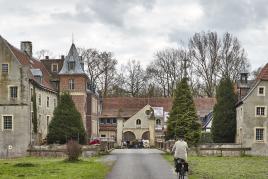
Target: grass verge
x,y
226,167
43,168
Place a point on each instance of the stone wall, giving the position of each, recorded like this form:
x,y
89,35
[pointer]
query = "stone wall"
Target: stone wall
x,y
60,150
209,149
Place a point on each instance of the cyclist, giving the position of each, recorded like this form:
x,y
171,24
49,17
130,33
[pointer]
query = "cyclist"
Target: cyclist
x,y
180,152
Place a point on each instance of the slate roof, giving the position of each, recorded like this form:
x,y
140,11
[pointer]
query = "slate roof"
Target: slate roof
x,y
72,56
33,64
128,106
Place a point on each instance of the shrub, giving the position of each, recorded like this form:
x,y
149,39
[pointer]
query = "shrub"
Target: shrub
x,y
206,137
66,123
74,150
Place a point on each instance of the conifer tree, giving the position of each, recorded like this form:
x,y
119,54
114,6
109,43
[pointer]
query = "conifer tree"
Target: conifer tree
x,y
224,113
183,119
66,123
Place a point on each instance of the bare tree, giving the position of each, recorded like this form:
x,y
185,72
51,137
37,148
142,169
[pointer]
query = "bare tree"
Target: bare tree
x,y
100,67
205,50
134,78
233,58
167,69
109,71
41,54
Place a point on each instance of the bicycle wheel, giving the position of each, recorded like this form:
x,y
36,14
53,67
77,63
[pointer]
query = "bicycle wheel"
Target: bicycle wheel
x,y
182,172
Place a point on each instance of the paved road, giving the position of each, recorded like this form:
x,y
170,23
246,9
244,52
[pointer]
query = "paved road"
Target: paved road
x,y
140,164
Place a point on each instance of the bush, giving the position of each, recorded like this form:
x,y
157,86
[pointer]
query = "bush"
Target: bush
x,y
66,123
206,137
74,150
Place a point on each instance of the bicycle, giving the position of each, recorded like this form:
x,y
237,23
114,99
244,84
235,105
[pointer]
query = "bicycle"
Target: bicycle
x,y
180,168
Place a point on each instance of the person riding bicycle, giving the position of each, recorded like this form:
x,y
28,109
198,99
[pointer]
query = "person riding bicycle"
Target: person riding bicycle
x,y
180,152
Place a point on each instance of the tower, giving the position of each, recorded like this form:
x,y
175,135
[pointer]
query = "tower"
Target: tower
x,y
74,80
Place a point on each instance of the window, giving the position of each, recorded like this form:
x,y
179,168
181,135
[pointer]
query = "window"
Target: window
x,y
138,122
54,67
103,135
261,91
158,122
14,92
47,101
71,84
48,121
102,121
108,121
259,134
260,111
4,68
71,65
39,100
7,123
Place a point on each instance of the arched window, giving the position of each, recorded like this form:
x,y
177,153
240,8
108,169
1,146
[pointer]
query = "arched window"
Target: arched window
x,y
158,122
138,122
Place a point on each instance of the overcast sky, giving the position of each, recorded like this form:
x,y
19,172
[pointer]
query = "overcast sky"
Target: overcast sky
x,y
133,29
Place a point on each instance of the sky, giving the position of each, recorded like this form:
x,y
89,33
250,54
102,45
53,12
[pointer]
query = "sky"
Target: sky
x,y
133,29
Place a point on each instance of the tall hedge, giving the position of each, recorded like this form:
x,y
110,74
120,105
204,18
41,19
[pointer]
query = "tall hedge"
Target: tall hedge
x,y
183,118
66,123
224,113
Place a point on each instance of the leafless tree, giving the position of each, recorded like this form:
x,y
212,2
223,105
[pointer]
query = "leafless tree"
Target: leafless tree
x,y
100,67
134,78
167,69
233,59
41,54
205,50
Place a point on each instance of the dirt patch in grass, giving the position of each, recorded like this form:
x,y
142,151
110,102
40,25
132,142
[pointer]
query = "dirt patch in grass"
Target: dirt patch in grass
x,y
25,164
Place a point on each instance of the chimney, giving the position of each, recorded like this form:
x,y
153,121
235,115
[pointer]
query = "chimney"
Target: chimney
x,y
26,46
47,57
244,78
62,57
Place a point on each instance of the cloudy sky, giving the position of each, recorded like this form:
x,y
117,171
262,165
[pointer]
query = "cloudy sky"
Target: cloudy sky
x,y
133,29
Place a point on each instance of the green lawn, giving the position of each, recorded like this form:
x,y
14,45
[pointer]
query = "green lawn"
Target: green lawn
x,y
226,167
32,167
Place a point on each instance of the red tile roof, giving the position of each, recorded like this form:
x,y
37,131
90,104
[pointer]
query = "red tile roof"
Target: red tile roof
x,y
263,75
128,106
25,59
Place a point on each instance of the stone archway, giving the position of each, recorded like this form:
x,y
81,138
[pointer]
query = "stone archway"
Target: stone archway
x,y
146,135
129,136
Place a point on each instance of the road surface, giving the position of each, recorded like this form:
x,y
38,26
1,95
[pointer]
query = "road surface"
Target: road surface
x,y
140,164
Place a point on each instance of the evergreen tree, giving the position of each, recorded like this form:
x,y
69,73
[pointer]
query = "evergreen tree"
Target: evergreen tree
x,y
183,118
66,122
224,113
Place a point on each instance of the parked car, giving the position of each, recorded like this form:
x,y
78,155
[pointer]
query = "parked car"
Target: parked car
x,y
95,141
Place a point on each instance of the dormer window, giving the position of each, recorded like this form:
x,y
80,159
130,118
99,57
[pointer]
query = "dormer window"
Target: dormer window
x,y
71,65
261,90
54,67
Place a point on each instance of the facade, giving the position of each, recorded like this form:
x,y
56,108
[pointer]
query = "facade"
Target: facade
x,y
128,119
20,77
251,112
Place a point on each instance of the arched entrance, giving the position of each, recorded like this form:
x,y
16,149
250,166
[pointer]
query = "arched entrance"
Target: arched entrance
x,y
146,135
129,136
